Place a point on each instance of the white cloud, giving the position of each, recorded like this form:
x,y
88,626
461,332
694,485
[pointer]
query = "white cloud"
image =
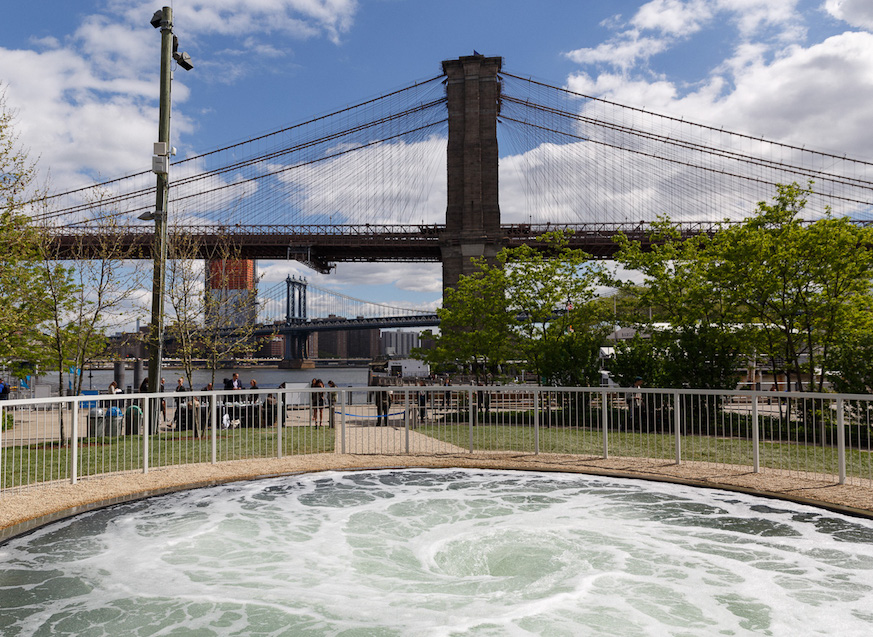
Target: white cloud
x,y
640,93
794,98
358,280
659,25
622,52
75,122
753,17
858,13
392,182
87,101
348,277
806,95
415,277
673,17
297,18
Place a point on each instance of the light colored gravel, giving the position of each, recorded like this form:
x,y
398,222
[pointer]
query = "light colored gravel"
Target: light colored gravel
x,y
32,507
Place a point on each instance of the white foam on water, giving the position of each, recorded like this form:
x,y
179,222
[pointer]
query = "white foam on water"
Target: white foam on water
x,y
443,553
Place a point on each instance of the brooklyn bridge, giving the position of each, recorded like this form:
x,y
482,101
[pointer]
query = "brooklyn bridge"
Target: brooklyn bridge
x,y
458,166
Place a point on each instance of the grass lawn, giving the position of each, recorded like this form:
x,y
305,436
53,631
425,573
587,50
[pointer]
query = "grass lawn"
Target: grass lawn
x,y
29,464
589,442
45,462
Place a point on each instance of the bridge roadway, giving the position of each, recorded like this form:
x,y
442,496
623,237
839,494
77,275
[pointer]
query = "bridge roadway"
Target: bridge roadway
x,y
320,246
304,326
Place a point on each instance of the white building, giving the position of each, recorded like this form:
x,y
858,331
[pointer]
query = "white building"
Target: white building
x,y
398,344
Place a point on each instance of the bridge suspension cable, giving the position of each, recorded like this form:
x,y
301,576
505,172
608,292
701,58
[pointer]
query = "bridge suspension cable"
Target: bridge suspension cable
x,y
582,158
379,168
274,178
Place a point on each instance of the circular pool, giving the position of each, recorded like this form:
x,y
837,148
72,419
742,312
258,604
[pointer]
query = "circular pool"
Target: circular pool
x,y
443,552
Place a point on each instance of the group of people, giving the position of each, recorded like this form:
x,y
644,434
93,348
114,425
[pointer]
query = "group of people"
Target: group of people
x,y
319,399
234,383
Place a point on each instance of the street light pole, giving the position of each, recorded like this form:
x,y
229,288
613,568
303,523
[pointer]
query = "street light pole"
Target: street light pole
x,y
160,165
161,168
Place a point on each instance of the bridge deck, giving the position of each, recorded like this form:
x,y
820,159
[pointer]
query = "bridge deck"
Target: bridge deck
x,y
320,246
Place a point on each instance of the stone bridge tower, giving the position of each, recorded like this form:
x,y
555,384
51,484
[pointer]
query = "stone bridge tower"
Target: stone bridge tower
x,y
472,211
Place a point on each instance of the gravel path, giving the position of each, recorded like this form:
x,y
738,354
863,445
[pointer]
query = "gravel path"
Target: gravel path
x,y
33,507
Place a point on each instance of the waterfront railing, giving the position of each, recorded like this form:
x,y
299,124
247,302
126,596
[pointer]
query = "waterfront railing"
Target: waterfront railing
x,y
822,436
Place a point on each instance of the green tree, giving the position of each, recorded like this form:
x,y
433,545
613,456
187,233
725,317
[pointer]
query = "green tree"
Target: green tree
x,y
186,298
696,335
804,286
93,295
852,364
475,323
634,358
537,303
551,293
23,310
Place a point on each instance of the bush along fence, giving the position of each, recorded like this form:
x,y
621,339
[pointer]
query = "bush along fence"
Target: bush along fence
x,y
826,436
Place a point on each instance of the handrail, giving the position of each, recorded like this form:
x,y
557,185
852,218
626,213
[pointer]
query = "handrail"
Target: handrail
x,y
74,437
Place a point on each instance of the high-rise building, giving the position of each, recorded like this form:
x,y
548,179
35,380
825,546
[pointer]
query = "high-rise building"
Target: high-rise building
x,y
347,343
364,343
231,288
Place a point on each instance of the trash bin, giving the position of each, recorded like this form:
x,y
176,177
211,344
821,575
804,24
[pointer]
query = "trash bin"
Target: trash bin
x,y
133,420
105,422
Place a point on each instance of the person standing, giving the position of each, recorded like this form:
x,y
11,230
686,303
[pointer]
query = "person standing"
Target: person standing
x,y
179,403
383,405
4,390
163,402
316,401
331,404
421,399
112,391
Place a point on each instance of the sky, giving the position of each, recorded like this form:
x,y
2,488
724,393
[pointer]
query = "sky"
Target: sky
x,y
82,77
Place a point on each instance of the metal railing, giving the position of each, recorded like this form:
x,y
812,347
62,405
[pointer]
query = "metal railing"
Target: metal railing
x,y
823,436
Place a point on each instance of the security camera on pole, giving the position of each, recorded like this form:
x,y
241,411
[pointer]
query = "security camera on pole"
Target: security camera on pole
x,y
162,19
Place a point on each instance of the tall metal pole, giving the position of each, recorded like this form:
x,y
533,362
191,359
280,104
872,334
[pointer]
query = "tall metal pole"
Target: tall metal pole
x,y
156,330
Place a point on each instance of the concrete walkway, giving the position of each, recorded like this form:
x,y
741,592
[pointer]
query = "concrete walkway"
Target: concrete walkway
x,y
364,436
393,439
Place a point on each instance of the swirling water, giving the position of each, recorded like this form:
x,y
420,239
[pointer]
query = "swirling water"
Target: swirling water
x,y
443,552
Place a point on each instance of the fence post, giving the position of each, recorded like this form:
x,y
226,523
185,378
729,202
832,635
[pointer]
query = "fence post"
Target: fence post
x,y
470,417
343,399
677,425
756,436
604,420
214,434
146,429
537,421
280,420
406,418
157,414
74,441
841,440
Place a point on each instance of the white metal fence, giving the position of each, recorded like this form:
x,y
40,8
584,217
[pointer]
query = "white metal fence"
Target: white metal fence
x,y
45,440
